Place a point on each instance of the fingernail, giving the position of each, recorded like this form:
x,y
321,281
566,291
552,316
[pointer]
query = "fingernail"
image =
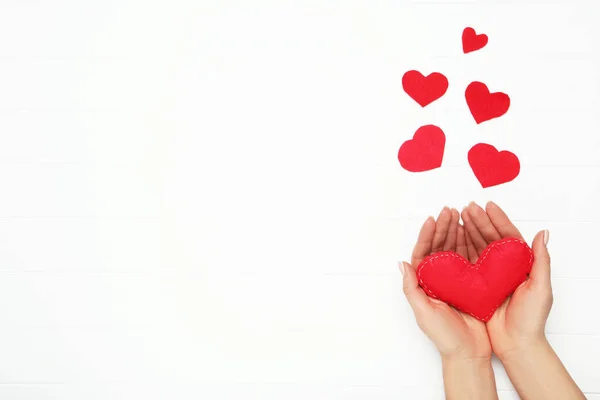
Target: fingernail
x,y
471,203
546,237
401,266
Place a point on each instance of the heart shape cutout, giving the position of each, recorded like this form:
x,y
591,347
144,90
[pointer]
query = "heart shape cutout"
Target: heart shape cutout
x,y
424,151
471,41
424,89
485,105
492,167
477,289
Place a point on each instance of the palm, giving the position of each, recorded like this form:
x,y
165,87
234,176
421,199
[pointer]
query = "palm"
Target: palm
x,y
518,319
468,335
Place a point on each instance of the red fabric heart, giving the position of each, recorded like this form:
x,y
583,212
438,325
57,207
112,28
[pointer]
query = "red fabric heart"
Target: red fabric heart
x,y
477,289
485,105
493,167
424,151
471,41
424,89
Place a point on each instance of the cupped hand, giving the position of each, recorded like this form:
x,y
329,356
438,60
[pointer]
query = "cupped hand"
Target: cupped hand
x,y
455,334
520,321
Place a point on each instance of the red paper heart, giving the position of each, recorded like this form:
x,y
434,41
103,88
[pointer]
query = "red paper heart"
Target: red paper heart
x,y
477,289
471,41
424,151
485,105
424,89
493,167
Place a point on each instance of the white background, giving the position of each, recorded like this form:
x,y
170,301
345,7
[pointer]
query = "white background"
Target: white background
x,y
202,200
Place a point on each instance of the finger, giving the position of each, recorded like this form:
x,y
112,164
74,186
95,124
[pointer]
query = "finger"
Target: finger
x,y
423,247
483,223
452,237
442,225
477,240
461,242
471,250
501,221
540,271
416,297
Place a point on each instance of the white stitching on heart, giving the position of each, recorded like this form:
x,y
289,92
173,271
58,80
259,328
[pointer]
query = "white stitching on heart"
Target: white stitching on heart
x,y
476,266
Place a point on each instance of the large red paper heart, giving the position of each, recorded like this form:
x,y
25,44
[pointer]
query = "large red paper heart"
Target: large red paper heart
x,y
424,151
424,89
485,105
493,167
477,289
471,41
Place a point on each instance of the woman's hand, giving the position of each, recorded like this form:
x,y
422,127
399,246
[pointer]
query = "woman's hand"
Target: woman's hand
x,y
516,329
519,323
456,335
461,339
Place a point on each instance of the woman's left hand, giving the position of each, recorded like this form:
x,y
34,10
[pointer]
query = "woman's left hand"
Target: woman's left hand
x,y
456,335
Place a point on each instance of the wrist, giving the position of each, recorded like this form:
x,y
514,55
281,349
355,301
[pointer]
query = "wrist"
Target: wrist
x,y
457,360
525,349
471,366
536,372
469,378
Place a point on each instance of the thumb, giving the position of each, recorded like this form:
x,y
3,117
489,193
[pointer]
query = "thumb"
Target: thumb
x,y
540,271
416,297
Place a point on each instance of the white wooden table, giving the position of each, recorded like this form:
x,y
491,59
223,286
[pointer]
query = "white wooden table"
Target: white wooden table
x,y
201,199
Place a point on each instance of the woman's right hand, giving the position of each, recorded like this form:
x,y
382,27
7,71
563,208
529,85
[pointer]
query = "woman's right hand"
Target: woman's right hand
x,y
516,329
520,321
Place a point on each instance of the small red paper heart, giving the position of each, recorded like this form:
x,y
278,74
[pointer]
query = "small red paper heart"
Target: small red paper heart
x,y
493,167
485,105
424,89
424,151
477,289
471,41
